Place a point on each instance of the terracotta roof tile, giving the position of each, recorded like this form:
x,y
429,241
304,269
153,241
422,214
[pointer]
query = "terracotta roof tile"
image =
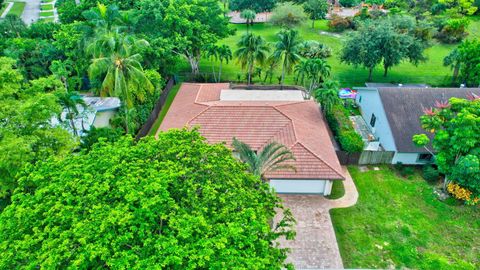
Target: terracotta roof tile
x,y
298,125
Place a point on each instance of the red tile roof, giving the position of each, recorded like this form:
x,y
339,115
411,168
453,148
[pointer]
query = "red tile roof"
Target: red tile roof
x,y
298,125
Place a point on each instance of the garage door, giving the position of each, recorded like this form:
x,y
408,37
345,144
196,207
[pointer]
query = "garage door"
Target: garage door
x,y
298,186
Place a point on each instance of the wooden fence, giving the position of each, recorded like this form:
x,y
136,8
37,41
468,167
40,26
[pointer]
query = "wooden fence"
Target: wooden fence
x,y
365,157
376,157
156,110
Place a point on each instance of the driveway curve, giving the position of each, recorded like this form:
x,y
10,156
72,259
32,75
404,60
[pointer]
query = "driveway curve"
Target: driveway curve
x,y
315,246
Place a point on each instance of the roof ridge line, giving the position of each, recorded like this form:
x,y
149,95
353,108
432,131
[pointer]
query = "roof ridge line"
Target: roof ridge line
x,y
287,103
326,163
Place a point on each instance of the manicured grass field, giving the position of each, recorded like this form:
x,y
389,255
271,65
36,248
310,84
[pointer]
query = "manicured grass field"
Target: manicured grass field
x,y
164,110
17,9
46,13
399,223
46,7
432,72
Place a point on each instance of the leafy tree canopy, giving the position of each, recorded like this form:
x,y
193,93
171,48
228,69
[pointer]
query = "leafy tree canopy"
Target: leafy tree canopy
x,y
288,15
176,202
456,141
257,5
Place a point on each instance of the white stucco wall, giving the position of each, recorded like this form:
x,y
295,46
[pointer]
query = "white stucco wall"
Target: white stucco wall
x,y
407,158
301,186
102,119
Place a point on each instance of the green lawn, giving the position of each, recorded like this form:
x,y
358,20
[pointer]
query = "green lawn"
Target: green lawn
x,y
47,20
46,13
47,1
432,71
46,7
165,108
398,223
338,190
17,9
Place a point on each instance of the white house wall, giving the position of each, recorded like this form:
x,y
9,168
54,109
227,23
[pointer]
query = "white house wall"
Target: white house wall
x,y
301,186
407,159
102,119
370,103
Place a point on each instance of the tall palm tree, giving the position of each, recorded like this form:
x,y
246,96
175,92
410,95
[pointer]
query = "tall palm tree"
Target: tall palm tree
x,y
71,101
251,49
224,54
287,50
272,157
271,65
327,96
248,15
117,65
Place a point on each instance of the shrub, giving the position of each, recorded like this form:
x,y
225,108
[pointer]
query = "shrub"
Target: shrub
x,y
341,126
288,15
430,174
339,24
94,134
349,3
351,141
463,194
403,170
313,49
453,31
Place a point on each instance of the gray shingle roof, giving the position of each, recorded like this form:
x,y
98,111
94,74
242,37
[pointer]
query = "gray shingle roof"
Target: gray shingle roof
x,y
404,106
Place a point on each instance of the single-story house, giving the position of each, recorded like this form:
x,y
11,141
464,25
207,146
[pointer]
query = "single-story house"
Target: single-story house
x,y
258,117
393,115
98,112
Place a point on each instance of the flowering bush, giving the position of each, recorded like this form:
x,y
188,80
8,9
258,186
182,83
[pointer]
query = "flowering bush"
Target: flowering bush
x,y
462,194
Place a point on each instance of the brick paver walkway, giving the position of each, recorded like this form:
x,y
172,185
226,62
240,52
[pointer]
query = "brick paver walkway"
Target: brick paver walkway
x,y
315,246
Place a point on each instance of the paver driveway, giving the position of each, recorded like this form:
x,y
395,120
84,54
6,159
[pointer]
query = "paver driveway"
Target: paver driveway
x,y
315,246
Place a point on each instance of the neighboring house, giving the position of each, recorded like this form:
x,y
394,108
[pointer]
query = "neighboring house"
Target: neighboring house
x,y
258,117
98,113
393,115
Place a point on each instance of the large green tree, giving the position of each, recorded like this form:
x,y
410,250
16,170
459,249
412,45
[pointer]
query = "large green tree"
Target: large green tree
x,y
251,50
188,25
257,5
388,41
288,15
456,141
172,203
26,134
465,62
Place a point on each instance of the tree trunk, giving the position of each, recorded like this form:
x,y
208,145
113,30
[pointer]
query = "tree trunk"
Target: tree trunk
x,y
456,71
126,120
214,74
193,64
313,24
385,70
250,73
283,73
72,123
220,71
370,71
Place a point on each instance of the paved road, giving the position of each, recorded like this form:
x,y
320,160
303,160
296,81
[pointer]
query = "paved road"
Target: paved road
x,y
315,246
31,11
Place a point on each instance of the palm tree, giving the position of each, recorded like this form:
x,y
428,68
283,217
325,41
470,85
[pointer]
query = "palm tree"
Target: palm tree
x,y
287,50
70,101
117,65
224,54
327,96
301,71
212,53
272,157
453,60
248,15
251,49
317,71
271,65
